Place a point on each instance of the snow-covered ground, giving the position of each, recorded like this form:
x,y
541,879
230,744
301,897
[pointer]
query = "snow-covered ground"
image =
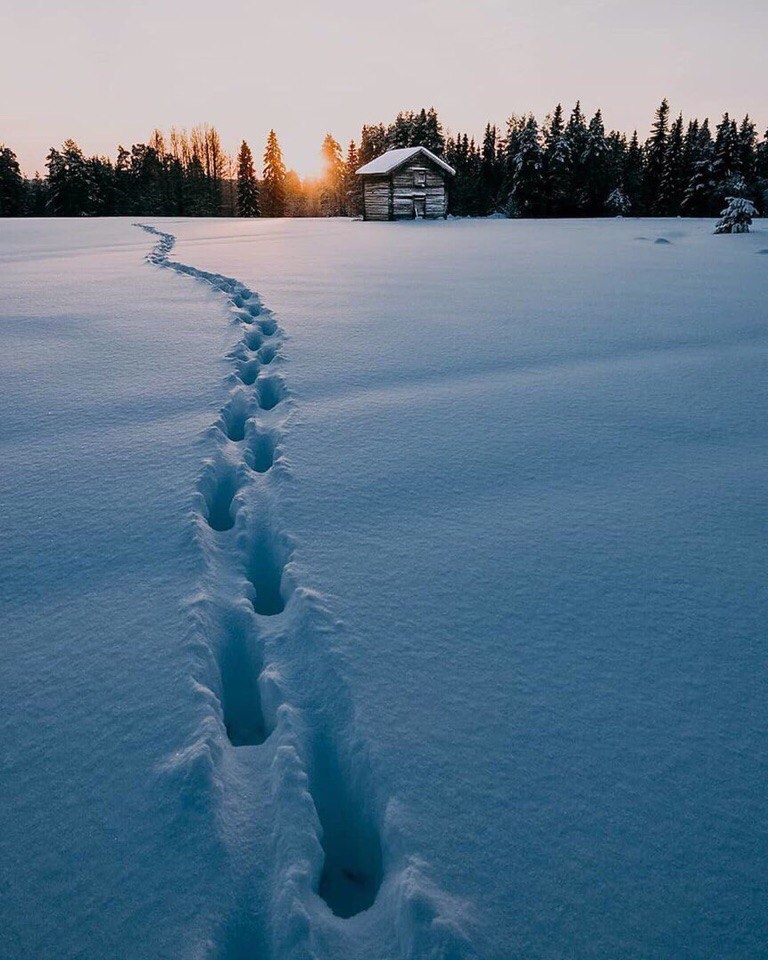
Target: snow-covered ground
x,y
383,590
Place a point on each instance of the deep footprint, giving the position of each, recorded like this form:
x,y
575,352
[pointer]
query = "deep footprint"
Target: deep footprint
x,y
253,339
352,870
267,353
264,569
219,489
234,417
240,701
270,391
249,370
260,454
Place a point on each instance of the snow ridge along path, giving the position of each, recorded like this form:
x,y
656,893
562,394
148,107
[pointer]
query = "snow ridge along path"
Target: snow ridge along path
x,y
320,866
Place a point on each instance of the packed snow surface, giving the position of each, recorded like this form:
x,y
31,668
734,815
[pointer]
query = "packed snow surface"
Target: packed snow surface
x,y
383,590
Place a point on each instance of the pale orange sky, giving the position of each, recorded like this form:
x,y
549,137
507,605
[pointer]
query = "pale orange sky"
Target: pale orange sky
x,y
107,74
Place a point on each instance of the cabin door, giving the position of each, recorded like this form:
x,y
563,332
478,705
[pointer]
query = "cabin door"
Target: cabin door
x,y
419,208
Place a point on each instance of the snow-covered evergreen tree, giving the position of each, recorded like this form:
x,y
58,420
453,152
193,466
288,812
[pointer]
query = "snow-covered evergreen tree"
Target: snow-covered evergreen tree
x,y
576,138
618,203
655,154
353,183
247,185
596,166
11,184
273,181
737,216
633,172
333,193
527,178
557,162
673,176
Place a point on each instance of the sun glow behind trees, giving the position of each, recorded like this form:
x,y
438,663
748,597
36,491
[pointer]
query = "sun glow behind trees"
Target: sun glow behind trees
x,y
563,167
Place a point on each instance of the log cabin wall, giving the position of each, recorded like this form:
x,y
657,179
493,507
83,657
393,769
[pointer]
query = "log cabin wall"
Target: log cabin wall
x,y
417,180
377,198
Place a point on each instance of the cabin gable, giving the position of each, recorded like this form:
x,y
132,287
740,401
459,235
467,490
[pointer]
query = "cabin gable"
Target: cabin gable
x,y
419,190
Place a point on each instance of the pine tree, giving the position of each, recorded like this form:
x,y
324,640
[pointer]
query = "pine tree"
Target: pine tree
x,y
353,183
596,169
247,185
11,184
557,162
673,176
655,155
700,192
333,191
37,197
373,142
737,216
489,173
528,163
748,149
69,181
576,140
273,184
728,175
633,173
432,135
618,203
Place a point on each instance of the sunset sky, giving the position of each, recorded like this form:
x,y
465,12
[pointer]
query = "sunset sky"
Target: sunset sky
x,y
107,74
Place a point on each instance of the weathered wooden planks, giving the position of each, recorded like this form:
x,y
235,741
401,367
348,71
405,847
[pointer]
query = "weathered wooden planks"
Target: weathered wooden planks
x,y
418,185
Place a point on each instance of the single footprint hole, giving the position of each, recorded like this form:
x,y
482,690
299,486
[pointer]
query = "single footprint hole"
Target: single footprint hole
x,y
264,570
267,353
234,416
219,488
253,339
243,316
268,327
260,454
248,371
270,391
352,869
240,700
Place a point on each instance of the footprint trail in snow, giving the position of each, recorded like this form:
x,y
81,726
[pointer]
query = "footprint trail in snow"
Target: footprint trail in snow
x,y
280,733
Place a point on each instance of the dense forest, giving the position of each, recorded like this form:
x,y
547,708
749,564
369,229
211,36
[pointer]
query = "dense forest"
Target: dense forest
x,y
565,167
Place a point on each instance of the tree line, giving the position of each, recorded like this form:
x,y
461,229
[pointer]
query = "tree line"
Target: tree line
x,y
564,167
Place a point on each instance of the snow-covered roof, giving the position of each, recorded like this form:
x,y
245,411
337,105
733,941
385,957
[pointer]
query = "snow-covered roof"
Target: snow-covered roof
x,y
393,159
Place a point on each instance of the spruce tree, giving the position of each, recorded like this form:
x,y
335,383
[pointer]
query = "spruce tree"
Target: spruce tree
x,y
673,176
655,155
11,184
747,149
489,174
557,162
633,174
333,191
353,183
618,203
576,140
727,169
69,182
596,167
737,216
373,142
247,185
273,182
527,180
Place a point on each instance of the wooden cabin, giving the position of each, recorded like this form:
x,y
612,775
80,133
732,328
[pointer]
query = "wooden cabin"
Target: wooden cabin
x,y
410,183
